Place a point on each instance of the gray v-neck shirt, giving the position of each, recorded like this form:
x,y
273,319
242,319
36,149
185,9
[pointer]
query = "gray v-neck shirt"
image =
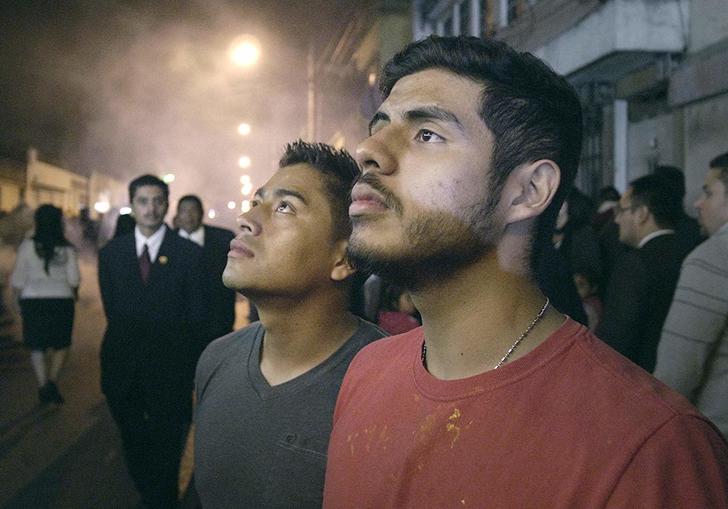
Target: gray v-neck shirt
x,y
258,445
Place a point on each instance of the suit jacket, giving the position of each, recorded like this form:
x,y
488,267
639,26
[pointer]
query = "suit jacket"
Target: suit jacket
x,y
151,329
638,298
219,300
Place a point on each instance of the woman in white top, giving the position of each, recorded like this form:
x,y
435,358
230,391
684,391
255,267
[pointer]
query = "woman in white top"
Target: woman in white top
x,y
46,279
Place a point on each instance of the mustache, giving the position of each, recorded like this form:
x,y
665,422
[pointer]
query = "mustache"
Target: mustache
x,y
390,200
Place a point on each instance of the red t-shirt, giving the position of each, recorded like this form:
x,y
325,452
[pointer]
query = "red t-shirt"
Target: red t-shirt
x,y
395,322
571,424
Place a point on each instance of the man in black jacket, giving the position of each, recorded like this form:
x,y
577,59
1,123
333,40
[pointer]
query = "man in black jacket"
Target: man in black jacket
x,y
150,288
643,281
218,300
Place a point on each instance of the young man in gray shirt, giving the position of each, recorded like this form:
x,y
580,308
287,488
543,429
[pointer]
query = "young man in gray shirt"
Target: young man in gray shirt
x,y
266,393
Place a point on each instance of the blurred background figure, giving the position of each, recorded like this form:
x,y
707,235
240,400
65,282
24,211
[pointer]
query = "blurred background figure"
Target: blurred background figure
x,y
398,314
588,287
692,356
219,300
574,237
124,224
607,201
46,278
687,229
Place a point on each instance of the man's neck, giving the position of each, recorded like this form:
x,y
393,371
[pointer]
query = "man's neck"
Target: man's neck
x,y
148,232
473,317
301,332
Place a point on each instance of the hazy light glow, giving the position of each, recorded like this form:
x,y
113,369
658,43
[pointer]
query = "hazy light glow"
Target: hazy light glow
x,y
211,214
245,179
244,129
245,51
247,188
231,205
168,178
102,207
124,211
245,205
244,162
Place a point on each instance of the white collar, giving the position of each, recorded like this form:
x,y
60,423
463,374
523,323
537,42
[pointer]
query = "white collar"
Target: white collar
x,y
153,242
197,236
652,235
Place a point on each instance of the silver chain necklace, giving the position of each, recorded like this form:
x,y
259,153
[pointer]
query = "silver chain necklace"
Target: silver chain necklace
x,y
513,346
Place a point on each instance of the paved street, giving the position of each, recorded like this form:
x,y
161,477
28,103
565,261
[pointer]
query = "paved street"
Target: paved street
x,y
67,456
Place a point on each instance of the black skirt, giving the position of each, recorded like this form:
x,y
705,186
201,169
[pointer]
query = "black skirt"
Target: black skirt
x,y
47,323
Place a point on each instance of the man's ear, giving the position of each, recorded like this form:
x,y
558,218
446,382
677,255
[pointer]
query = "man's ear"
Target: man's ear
x,y
530,189
341,268
642,213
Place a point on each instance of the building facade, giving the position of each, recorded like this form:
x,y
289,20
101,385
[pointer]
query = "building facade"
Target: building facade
x,y
650,73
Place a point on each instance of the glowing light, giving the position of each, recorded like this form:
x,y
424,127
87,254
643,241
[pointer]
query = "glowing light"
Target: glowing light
x,y
245,179
244,162
244,51
102,207
212,214
168,178
244,129
245,205
124,211
372,79
231,205
247,188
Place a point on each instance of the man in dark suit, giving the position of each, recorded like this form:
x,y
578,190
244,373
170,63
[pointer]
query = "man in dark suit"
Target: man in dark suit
x,y
643,280
149,282
215,242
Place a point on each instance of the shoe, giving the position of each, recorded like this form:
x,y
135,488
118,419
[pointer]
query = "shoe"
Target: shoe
x,y
44,395
54,394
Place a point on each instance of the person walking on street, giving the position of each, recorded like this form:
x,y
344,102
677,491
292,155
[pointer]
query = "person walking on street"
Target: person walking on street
x,y
45,279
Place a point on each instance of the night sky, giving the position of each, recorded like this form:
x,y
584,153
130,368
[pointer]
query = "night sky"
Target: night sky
x,y
126,87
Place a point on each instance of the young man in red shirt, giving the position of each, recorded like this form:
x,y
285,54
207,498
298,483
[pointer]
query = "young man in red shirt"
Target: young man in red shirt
x,y
498,400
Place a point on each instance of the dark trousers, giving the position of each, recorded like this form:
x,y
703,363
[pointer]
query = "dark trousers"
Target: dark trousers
x,y
153,434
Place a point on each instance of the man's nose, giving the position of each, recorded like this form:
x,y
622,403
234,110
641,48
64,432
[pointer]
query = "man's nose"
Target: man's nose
x,y
248,223
375,155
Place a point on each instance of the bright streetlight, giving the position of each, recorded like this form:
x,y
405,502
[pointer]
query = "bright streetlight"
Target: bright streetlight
x,y
245,205
168,178
244,51
244,129
231,205
211,213
244,162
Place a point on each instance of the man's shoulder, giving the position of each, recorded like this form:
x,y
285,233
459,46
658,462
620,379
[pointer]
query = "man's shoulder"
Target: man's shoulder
x,y
217,232
387,351
607,380
117,244
713,249
228,347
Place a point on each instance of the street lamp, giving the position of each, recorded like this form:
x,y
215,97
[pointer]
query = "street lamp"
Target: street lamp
x,y
244,129
168,178
245,206
244,162
244,51
231,205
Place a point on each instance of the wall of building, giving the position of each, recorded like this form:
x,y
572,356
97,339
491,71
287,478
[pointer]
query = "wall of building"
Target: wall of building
x,y
47,183
651,142
706,136
708,23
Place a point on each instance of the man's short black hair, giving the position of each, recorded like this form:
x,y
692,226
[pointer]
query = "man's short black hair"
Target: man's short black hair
x,y
532,112
194,199
339,170
675,177
658,195
147,180
720,163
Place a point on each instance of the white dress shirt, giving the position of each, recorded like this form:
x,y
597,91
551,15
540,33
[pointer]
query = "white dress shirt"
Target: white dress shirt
x,y
197,236
153,242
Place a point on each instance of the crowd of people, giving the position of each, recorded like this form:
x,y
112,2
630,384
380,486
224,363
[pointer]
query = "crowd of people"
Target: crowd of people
x,y
525,319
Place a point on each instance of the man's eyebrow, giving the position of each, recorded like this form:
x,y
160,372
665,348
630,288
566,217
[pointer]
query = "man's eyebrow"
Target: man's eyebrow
x,y
434,113
280,193
378,116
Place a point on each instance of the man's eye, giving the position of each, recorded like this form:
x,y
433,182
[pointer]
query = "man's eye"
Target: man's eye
x,y
284,207
427,136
